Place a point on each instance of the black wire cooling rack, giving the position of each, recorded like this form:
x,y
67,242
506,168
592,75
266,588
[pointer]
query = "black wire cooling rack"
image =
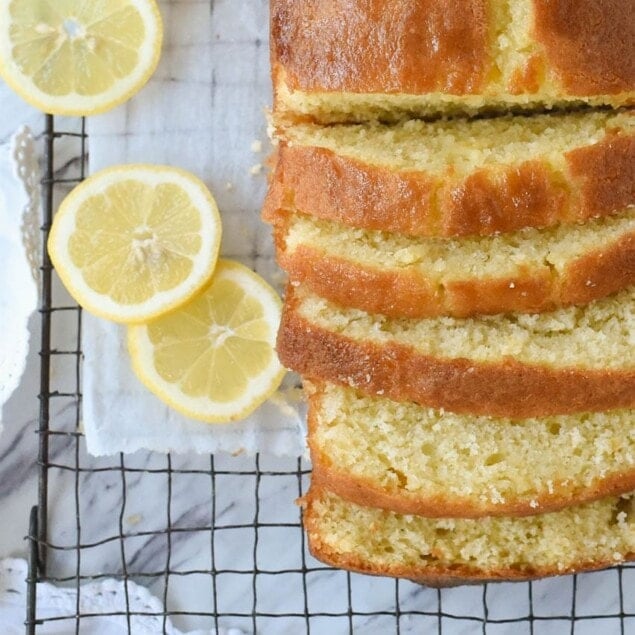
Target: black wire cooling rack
x,y
287,593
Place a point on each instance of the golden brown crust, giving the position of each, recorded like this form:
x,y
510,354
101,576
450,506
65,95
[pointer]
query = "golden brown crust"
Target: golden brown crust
x,y
599,273
436,575
326,474
508,388
586,50
529,77
590,44
443,577
381,46
598,180
603,175
505,199
402,292
319,182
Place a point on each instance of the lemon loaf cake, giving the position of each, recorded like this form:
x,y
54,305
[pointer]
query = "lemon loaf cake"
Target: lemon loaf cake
x,y
527,271
447,551
348,60
415,460
576,359
458,177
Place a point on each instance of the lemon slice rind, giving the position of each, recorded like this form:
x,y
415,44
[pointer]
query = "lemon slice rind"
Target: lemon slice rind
x,y
260,387
162,301
73,103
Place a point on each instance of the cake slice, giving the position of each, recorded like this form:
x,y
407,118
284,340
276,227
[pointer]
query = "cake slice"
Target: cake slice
x,y
414,460
578,359
528,271
346,60
458,177
442,552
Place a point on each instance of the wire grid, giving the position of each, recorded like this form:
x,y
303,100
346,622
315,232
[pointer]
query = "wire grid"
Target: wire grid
x,y
302,590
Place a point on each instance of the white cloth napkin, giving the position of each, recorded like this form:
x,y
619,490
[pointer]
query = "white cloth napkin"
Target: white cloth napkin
x,y
19,251
107,596
202,111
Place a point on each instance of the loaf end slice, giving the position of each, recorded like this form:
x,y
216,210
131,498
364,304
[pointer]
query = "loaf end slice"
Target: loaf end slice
x,y
347,60
442,552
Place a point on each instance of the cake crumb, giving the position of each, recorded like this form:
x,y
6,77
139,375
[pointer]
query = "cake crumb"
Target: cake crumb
x,y
229,186
512,285
254,170
256,146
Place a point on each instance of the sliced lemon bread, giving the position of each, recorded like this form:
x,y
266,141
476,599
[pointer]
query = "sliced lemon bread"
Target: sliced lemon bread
x,y
576,359
348,60
415,460
442,552
527,271
457,177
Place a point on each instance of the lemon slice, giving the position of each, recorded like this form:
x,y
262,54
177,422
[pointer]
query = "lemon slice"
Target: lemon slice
x,y
136,241
78,57
214,359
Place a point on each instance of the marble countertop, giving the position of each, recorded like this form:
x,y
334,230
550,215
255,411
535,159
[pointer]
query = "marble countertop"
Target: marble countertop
x,y
90,507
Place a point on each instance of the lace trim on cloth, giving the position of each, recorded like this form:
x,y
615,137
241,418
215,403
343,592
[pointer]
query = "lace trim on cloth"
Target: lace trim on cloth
x,y
106,596
20,249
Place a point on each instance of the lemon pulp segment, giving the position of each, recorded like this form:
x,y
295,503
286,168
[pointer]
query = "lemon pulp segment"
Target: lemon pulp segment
x,y
136,241
214,359
78,57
